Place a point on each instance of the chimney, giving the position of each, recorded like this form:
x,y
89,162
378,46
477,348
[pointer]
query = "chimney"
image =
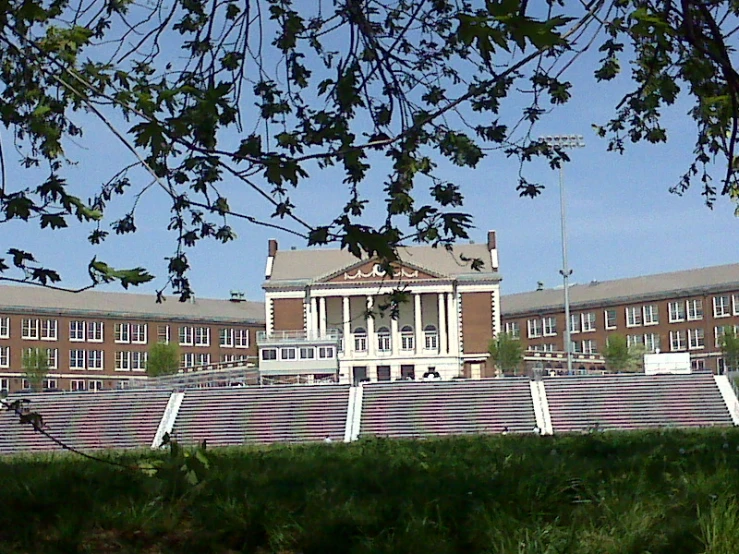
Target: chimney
x,y
493,249
271,253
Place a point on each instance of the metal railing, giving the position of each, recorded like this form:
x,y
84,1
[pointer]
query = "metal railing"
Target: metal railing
x,y
292,336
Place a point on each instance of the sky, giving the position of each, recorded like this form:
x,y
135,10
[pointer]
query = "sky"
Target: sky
x,y
621,219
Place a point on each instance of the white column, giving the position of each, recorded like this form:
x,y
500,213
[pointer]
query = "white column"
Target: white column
x,y
442,324
394,337
312,327
453,324
371,339
346,316
418,323
322,316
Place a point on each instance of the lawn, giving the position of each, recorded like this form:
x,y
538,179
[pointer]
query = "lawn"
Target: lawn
x,y
672,492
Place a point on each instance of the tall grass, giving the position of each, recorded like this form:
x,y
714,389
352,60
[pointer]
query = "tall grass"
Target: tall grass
x,y
669,492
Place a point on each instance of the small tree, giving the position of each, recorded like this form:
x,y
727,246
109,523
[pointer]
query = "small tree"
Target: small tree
x,y
35,367
164,359
619,356
506,352
730,350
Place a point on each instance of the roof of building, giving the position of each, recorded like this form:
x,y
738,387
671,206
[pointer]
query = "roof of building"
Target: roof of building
x,y
684,283
313,265
119,304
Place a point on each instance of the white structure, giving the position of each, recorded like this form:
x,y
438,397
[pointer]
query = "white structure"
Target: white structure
x,y
328,313
676,362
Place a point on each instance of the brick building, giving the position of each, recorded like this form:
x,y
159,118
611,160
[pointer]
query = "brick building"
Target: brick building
x,y
671,312
317,304
100,340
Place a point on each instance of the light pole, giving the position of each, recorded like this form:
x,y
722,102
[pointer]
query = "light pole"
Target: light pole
x,y
565,141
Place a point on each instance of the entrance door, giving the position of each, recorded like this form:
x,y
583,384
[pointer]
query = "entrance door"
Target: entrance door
x,y
359,373
383,372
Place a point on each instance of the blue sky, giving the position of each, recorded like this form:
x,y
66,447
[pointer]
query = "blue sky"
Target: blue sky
x,y
622,221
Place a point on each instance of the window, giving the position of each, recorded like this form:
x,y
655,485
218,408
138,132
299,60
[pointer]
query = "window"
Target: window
x,y
589,347
95,386
76,385
431,337
4,327
406,338
122,361
721,306
383,339
269,354
76,359
236,357
287,353
94,331
360,339
122,332
307,353
202,336
513,328
138,333
677,311
651,342
537,348
76,331
187,359
677,340
534,326
26,384
226,338
550,326
576,347
94,359
610,318
588,321
698,365
651,314
202,358
186,336
241,338
4,356
735,301
633,340
575,321
719,332
326,352
4,384
721,366
163,334
50,384
696,339
29,329
695,309
52,357
633,316
48,329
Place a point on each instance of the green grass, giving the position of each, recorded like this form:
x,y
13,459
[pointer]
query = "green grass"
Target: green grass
x,y
672,493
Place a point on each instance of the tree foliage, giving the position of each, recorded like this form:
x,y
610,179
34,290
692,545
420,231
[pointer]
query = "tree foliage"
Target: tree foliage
x,y
35,363
163,359
730,349
210,98
506,352
619,356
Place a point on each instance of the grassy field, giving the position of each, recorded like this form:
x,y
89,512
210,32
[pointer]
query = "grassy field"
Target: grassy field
x,y
669,492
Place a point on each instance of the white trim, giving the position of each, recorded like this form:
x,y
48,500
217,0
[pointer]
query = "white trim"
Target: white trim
x,y
727,393
268,268
80,375
285,294
472,287
349,424
536,401
357,420
494,258
379,289
548,428
166,424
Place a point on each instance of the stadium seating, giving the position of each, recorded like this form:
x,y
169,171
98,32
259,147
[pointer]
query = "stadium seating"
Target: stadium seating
x,y
86,420
637,401
259,415
418,409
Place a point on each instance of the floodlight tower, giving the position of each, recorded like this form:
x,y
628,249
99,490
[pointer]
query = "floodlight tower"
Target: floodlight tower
x,y
562,142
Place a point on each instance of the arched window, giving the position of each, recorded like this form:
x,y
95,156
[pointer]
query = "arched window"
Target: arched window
x,y
406,338
360,339
431,337
383,339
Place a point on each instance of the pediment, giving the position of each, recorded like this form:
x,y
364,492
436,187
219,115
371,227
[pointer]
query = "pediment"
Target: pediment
x,y
371,271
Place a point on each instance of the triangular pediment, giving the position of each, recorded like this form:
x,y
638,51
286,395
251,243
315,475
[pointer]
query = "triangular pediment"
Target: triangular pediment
x,y
370,271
